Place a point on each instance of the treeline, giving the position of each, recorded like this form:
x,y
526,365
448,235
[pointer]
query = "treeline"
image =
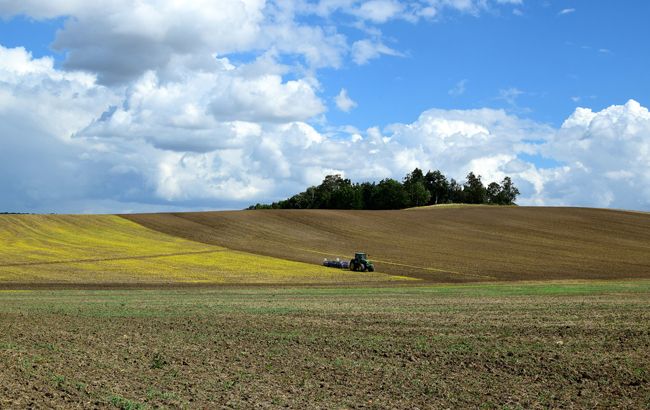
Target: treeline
x,y
417,189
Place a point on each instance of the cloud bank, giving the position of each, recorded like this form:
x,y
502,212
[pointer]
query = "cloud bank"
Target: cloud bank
x,y
199,106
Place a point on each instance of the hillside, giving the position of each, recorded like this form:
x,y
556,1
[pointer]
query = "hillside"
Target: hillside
x,y
449,244
106,249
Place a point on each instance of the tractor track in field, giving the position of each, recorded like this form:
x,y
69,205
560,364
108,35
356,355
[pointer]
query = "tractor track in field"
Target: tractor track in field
x,y
118,258
422,268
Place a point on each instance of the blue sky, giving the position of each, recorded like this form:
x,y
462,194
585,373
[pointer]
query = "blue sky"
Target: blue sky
x,y
222,104
594,54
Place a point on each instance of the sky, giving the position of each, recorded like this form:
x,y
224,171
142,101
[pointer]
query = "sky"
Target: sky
x,y
161,105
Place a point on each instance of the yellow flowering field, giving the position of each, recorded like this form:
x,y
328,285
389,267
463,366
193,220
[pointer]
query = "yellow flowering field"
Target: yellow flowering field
x,y
110,249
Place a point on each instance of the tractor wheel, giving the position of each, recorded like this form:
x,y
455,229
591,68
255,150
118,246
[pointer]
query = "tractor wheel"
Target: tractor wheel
x,y
352,265
362,267
371,268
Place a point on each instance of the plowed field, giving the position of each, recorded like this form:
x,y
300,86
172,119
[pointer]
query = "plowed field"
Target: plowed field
x,y
439,244
489,346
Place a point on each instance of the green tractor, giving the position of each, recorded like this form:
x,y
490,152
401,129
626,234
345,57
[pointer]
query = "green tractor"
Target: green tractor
x,y
361,263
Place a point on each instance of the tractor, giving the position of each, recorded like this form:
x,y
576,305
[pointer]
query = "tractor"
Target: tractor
x,y
361,263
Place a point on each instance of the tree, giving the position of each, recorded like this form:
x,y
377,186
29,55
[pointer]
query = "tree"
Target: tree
x,y
438,186
455,193
390,194
327,195
473,190
367,194
414,177
336,192
509,192
418,194
494,195
414,184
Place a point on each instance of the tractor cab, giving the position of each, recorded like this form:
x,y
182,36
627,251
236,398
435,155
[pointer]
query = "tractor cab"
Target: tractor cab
x,y
361,263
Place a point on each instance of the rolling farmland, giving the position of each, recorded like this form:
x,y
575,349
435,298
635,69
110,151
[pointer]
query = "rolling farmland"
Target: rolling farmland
x,y
105,249
442,244
439,244
210,310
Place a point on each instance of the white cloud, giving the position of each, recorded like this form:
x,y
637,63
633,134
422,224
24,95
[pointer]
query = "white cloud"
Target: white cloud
x,y
344,102
566,11
40,109
121,40
434,7
148,114
379,11
160,148
607,157
366,50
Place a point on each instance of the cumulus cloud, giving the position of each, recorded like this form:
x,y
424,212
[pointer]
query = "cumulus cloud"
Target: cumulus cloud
x,y
147,112
155,146
119,41
606,157
40,109
344,102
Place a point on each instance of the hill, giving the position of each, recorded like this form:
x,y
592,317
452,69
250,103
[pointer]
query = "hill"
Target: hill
x,y
106,249
437,244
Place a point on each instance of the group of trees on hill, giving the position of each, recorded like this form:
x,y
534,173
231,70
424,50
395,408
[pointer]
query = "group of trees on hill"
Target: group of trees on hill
x,y
417,189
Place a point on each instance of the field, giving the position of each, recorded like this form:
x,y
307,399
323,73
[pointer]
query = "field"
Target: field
x,y
439,244
536,345
233,310
47,249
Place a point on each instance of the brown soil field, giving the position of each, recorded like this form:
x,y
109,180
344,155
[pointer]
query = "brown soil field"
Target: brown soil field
x,y
489,346
437,244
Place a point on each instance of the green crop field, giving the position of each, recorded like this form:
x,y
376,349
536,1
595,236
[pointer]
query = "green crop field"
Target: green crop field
x,y
536,345
109,249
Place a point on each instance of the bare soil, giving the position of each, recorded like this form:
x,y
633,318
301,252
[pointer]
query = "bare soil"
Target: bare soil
x,y
464,244
497,346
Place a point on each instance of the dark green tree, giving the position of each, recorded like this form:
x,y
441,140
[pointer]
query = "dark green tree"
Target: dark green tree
x,y
474,191
455,193
414,177
414,184
367,194
326,194
438,186
509,192
390,194
418,194
494,193
336,192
